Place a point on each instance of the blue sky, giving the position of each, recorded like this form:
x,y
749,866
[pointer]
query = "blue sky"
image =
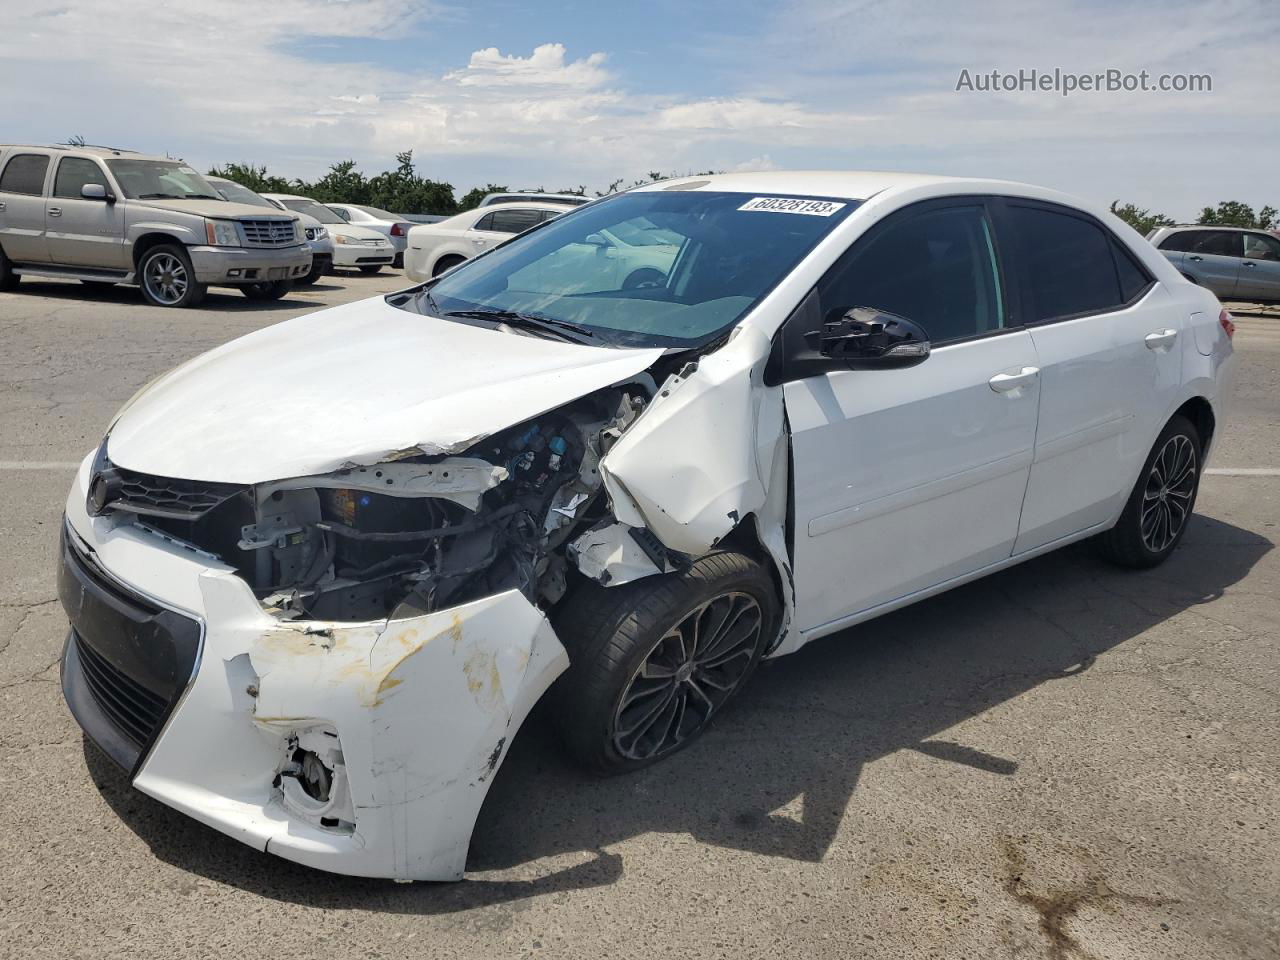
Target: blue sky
x,y
542,94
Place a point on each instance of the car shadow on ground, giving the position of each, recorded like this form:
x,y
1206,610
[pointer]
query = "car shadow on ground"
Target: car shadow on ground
x,y
218,298
803,731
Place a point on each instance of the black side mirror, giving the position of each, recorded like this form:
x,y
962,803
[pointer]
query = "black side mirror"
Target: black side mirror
x,y
96,191
864,337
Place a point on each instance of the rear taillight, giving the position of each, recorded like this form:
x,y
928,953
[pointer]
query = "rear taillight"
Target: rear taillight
x,y
1224,319
399,229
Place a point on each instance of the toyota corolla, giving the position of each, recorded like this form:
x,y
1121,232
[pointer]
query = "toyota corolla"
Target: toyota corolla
x,y
318,576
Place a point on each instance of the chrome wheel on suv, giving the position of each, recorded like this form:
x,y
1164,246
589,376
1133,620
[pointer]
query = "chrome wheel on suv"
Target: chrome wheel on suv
x,y
167,278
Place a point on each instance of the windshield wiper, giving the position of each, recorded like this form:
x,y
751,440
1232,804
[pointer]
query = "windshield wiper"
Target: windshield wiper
x,y
527,321
200,196
158,196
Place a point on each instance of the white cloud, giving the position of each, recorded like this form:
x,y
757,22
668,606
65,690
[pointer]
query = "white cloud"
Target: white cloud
x,y
545,67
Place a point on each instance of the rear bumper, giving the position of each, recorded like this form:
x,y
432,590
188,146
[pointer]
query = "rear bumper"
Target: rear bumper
x,y
416,714
236,265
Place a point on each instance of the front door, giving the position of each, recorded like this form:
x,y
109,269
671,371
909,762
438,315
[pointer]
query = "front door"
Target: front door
x,y
1260,269
907,478
22,208
82,232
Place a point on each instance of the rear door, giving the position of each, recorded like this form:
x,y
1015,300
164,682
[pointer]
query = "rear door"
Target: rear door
x,y
493,228
1260,269
1107,335
906,478
22,186
84,233
1210,257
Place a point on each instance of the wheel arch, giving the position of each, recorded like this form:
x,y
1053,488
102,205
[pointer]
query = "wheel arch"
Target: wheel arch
x,y
1199,411
149,241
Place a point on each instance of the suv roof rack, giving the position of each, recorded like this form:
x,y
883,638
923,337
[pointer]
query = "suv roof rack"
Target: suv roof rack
x,y
91,146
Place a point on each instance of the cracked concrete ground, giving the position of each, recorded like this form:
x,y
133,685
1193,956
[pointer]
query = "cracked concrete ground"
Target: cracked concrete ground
x,y
1063,761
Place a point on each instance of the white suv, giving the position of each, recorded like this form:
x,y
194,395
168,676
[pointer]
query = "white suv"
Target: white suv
x,y
105,216
314,615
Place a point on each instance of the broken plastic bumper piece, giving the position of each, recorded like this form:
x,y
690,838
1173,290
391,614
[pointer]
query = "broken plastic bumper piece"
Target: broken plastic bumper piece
x,y
359,748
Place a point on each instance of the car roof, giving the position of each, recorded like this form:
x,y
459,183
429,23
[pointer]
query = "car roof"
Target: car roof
x,y
1176,227
90,149
521,195
846,184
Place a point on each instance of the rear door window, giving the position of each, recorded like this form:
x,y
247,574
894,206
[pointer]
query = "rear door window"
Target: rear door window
x,y
1219,243
24,173
513,221
1068,263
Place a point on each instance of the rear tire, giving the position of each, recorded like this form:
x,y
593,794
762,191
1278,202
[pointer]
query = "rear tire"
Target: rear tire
x,y
652,663
167,278
267,289
446,263
8,279
371,269
1159,509
317,271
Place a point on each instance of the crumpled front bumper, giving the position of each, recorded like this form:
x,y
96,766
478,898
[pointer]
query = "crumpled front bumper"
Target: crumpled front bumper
x,y
416,714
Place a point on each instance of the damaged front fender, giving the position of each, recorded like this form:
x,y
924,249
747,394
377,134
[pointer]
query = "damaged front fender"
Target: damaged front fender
x,y
699,460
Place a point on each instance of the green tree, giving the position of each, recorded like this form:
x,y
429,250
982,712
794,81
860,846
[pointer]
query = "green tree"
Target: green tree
x,y
1140,218
255,178
342,184
403,190
1233,213
471,199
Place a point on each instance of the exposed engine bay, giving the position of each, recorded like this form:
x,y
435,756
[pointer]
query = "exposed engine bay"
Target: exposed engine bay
x,y
405,537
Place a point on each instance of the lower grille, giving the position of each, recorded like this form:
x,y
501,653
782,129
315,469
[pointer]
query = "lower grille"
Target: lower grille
x,y
137,712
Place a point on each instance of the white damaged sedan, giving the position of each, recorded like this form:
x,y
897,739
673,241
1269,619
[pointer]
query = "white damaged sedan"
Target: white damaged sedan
x,y
318,576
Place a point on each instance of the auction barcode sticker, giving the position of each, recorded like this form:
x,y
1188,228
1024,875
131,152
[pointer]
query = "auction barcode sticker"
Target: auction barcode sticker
x,y
812,208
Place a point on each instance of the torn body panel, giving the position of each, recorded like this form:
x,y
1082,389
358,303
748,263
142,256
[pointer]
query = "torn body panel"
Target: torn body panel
x,y
421,711
701,458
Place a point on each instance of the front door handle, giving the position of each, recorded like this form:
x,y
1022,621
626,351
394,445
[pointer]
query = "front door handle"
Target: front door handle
x,y
1,204
1011,384
1162,341
1250,263
55,211
1197,258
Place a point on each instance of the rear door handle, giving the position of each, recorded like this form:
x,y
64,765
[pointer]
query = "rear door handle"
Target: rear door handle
x,y
55,211
1,204
1250,263
1162,341
1196,257
1011,384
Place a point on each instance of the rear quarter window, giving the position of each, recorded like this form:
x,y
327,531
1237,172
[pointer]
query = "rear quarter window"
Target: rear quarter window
x,y
1068,263
24,173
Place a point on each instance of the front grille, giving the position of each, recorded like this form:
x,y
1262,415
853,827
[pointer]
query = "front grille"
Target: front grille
x,y
267,233
166,496
137,712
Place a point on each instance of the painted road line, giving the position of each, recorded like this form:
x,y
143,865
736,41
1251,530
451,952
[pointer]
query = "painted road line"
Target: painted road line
x,y
39,464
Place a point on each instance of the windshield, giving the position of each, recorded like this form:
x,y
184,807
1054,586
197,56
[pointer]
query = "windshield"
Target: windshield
x,y
237,193
313,209
161,180
655,268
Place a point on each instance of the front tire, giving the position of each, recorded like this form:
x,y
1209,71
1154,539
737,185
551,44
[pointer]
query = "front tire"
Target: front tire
x,y
371,269
1159,508
653,663
267,289
167,279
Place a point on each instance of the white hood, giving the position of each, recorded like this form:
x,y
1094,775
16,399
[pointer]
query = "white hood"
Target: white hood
x,y
357,384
